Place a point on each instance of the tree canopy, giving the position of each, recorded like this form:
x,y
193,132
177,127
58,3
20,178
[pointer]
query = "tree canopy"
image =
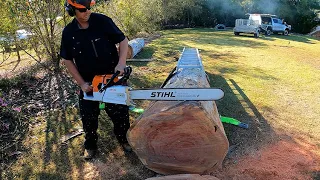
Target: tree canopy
x,y
137,15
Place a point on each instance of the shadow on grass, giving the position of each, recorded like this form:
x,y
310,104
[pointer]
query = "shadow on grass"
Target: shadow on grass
x,y
61,89
146,53
297,38
237,105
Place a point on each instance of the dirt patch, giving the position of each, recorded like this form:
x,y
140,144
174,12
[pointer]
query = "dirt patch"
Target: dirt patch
x,y
285,159
116,165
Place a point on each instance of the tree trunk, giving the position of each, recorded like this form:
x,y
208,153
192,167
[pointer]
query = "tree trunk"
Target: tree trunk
x,y
17,49
18,54
180,136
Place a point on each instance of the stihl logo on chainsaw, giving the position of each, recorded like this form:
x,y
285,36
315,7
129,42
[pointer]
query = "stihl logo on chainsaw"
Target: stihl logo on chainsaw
x,y
162,94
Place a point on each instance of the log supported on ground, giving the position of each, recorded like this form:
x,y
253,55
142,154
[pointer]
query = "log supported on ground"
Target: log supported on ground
x,y
135,46
180,136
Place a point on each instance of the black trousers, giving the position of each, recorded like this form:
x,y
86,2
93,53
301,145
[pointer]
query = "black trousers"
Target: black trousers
x,y
89,111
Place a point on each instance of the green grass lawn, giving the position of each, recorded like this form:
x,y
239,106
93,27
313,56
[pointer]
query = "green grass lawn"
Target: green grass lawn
x,y
271,83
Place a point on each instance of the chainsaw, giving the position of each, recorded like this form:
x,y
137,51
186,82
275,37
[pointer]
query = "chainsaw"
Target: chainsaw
x,y
113,89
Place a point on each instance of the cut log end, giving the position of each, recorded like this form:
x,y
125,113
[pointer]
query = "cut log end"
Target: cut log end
x,y
177,137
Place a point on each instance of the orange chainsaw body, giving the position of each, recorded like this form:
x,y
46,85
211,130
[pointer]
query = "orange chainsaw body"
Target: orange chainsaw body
x,y
98,80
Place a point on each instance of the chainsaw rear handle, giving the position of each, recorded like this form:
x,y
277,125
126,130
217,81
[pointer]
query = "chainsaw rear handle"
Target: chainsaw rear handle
x,y
109,82
127,71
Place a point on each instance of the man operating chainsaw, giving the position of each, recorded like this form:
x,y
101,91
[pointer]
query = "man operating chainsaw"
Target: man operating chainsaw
x,y
88,49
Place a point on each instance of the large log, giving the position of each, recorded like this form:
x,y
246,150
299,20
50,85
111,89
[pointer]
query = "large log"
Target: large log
x,y
180,136
135,46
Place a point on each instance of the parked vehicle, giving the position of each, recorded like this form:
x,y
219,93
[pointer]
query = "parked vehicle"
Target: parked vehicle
x,y
247,26
257,23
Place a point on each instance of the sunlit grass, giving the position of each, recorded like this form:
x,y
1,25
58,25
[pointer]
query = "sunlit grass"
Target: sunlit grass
x,y
10,64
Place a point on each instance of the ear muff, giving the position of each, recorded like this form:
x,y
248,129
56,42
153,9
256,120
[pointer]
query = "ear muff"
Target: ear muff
x,y
69,8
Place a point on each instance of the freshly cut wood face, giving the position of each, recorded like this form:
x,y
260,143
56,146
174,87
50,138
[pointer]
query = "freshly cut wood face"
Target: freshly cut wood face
x,y
180,138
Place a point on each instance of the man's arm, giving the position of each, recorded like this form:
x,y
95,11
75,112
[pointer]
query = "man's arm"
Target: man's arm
x,y
76,75
123,50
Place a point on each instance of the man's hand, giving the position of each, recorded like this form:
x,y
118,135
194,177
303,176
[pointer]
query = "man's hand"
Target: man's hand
x,y
85,87
120,67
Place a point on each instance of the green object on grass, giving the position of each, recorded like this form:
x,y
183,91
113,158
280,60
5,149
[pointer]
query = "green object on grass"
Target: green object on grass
x,y
233,121
136,110
102,105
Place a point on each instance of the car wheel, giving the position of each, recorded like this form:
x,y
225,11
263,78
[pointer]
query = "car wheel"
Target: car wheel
x,y
268,32
256,34
236,33
286,32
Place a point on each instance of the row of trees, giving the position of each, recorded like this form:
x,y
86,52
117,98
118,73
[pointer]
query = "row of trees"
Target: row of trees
x,y
46,18
137,15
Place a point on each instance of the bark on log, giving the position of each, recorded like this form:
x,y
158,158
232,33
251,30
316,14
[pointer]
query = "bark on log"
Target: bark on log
x,y
174,137
135,46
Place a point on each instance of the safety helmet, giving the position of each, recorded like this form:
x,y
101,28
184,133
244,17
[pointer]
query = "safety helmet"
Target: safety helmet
x,y
71,5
